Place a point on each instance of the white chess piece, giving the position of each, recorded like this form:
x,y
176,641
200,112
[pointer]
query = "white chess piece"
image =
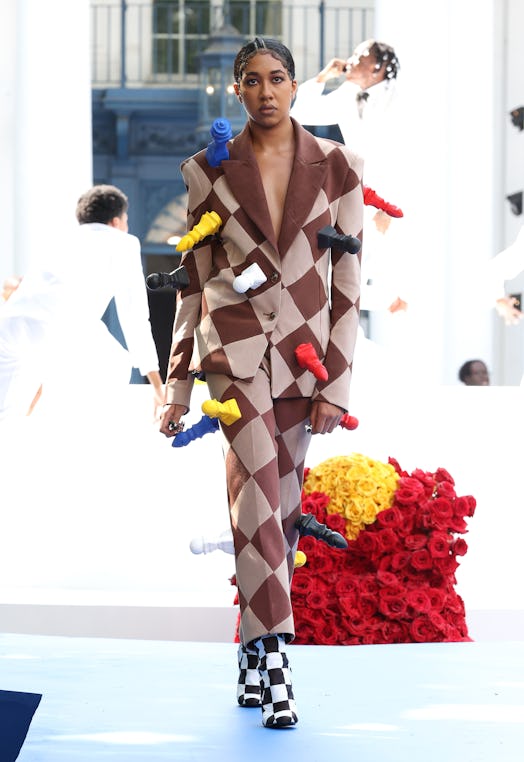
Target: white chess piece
x,y
224,542
251,277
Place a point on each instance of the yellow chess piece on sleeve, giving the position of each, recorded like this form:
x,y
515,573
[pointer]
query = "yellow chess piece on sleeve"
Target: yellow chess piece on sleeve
x,y
209,224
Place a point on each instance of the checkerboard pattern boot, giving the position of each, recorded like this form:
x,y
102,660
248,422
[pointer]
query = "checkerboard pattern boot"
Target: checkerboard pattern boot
x,y
278,703
248,688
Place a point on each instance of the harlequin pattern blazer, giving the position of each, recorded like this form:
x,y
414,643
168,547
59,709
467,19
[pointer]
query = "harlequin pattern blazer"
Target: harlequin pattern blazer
x,y
311,294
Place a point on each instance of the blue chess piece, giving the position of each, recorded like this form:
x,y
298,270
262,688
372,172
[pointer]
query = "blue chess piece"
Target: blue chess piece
x,y
216,150
205,425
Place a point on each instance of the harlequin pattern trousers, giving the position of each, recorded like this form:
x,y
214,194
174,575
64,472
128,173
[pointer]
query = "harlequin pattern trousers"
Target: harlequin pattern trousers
x,y
264,453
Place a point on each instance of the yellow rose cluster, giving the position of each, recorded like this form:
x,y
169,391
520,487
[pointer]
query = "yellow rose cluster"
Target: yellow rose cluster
x,y
358,488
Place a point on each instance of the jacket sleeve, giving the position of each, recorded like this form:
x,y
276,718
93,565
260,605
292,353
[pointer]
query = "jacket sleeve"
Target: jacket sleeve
x,y
344,292
133,309
198,263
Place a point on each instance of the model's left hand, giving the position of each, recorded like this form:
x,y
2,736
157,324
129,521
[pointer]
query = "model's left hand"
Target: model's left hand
x,y
324,417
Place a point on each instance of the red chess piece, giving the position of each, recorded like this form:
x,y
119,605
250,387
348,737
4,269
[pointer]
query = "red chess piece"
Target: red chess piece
x,y
307,358
371,198
348,422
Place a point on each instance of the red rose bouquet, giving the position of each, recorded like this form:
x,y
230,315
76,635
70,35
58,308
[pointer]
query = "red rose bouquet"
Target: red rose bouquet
x,y
395,583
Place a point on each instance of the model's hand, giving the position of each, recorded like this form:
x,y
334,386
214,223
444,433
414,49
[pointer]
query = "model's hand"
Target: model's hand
x,y
508,310
324,417
333,69
170,420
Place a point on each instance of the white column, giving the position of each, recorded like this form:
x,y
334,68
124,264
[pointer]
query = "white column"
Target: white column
x,y
52,143
447,51
7,135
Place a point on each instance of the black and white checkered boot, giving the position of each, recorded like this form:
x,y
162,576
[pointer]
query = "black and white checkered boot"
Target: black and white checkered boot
x,y
278,703
248,688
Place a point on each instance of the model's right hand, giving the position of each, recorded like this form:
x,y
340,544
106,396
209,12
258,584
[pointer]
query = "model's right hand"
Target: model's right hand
x,y
171,415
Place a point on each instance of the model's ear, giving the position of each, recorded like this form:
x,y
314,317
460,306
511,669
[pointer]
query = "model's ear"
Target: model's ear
x,y
237,91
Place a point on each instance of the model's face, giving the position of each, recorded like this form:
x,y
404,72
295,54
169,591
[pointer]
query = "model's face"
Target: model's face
x,y
362,67
478,375
266,90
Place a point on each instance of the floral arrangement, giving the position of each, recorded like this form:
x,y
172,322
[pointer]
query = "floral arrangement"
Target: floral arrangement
x,y
359,488
395,581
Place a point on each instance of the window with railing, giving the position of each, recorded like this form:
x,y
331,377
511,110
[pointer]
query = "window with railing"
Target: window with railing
x,y
180,30
179,33
141,43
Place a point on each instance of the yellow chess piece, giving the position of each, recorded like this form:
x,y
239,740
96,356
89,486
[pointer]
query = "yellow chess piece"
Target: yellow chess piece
x,y
210,223
227,411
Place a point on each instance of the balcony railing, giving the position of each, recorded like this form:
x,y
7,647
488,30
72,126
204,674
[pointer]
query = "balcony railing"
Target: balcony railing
x,y
144,43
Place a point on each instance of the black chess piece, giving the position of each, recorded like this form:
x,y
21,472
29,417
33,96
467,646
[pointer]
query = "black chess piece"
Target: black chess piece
x,y
327,237
308,526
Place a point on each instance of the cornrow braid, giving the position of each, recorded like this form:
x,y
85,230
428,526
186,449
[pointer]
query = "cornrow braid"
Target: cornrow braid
x,y
266,45
386,57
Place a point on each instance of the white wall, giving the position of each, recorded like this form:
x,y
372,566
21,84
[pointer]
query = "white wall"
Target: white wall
x,y
45,143
465,63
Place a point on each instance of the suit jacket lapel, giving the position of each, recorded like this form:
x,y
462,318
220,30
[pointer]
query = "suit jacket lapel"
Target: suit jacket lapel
x,y
307,178
241,171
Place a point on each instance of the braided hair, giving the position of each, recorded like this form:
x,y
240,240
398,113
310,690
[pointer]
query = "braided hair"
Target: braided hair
x,y
263,45
385,57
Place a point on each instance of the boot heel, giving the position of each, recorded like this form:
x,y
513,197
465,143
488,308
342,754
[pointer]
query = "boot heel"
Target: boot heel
x,y
248,688
278,703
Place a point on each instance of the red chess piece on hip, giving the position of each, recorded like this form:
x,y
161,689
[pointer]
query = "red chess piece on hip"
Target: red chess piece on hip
x,y
307,358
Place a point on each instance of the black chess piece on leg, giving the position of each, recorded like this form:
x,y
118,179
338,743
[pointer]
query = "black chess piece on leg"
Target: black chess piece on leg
x,y
308,526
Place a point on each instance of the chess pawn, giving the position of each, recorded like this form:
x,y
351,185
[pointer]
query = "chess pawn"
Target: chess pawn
x,y
216,151
209,224
227,411
251,277
224,542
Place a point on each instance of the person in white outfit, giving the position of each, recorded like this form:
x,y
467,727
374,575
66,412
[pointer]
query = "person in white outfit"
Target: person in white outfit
x,y
367,107
505,266
52,336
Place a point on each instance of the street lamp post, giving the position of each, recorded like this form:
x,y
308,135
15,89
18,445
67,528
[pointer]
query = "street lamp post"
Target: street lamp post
x,y
217,98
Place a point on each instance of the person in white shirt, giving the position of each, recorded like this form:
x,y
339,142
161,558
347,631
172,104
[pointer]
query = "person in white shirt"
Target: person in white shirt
x,y
505,266
367,107
51,331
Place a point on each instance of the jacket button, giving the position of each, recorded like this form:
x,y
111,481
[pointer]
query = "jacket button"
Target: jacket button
x,y
272,315
274,277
